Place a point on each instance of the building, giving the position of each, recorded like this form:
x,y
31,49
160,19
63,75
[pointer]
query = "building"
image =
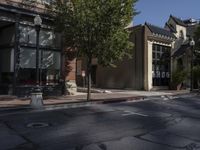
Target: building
x,y
181,53
156,54
18,50
149,66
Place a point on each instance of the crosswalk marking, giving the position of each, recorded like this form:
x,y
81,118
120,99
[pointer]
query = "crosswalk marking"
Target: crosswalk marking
x,y
128,113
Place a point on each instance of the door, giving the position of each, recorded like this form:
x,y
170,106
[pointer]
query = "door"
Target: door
x,y
161,65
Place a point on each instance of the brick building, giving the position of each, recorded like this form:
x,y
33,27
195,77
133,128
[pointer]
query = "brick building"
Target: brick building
x,y
18,50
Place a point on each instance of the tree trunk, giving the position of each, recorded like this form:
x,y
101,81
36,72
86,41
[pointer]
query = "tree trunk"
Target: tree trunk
x,y
89,78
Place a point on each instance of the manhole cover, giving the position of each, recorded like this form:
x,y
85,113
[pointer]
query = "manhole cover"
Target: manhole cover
x,y
37,125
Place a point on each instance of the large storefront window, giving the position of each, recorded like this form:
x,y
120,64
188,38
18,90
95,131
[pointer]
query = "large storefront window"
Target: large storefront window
x,y
50,67
161,65
47,37
27,58
50,45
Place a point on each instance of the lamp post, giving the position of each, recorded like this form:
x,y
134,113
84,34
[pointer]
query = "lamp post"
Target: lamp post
x,y
36,96
37,23
192,44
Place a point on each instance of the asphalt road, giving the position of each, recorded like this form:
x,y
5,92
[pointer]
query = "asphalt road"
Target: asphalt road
x,y
167,123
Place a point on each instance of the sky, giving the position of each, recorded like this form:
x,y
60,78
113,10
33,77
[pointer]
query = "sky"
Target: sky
x,y
157,12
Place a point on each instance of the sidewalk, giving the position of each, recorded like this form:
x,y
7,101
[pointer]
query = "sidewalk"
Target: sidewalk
x,y
110,96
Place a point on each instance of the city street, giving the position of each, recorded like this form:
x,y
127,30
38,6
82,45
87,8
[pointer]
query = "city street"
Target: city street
x,y
156,123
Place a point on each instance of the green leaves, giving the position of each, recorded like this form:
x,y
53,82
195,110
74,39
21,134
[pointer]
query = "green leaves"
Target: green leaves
x,y
96,27
179,76
196,71
197,45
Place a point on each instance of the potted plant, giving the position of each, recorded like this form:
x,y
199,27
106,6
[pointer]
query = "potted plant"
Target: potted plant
x,y
178,77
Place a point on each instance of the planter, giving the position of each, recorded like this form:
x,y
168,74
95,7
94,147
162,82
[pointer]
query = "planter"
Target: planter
x,y
176,86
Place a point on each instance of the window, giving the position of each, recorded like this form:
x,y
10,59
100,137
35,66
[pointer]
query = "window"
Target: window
x,y
51,60
27,58
161,63
50,44
27,35
47,37
50,67
181,35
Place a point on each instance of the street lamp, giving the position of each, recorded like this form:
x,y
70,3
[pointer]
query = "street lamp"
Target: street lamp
x,y
192,44
36,95
37,23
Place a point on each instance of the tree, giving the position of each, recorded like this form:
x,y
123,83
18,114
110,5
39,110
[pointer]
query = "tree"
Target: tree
x,y
197,45
196,69
196,72
96,29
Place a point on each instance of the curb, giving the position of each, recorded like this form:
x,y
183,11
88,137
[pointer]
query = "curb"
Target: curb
x,y
72,104
94,101
75,104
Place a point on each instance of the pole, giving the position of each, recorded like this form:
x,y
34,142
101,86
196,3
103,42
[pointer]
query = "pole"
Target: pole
x,y
36,96
89,78
37,55
191,71
41,64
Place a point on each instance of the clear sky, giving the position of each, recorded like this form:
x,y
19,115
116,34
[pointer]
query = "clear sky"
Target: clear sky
x,y
157,12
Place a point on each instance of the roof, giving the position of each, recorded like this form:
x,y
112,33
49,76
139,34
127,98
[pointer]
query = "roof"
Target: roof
x,y
191,21
181,50
171,28
160,31
178,21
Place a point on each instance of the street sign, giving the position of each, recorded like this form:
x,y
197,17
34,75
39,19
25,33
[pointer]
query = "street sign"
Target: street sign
x,y
83,73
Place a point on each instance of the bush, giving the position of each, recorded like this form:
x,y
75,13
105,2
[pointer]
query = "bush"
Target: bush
x,y
178,77
196,73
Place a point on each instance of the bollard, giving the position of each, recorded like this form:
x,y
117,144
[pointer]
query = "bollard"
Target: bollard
x,y
36,100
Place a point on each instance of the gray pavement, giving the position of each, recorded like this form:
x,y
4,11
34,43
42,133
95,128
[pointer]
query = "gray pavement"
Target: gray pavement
x,y
12,102
159,123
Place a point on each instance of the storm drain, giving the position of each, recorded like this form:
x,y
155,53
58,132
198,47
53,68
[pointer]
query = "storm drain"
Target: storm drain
x,y
37,125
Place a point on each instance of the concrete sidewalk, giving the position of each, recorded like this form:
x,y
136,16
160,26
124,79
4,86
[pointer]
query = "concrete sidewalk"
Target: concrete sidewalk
x,y
110,96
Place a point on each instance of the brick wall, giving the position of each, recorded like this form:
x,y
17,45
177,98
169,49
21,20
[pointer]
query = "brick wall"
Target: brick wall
x,y
26,4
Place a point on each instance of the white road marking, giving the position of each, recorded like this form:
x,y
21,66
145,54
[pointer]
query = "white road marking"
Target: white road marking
x,y
128,113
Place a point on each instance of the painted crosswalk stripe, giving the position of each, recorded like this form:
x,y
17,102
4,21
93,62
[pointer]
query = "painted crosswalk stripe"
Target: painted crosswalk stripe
x,y
128,113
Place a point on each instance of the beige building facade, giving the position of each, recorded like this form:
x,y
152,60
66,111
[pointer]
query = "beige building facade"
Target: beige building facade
x,y
181,53
18,51
145,70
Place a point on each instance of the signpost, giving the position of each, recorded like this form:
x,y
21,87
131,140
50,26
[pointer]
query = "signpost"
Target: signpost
x,y
83,76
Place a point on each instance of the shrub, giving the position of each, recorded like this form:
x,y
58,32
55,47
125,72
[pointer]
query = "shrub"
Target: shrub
x,y
178,77
196,73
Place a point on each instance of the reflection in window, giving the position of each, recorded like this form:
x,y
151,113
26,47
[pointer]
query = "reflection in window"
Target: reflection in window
x,y
161,63
27,58
47,37
50,72
27,35
51,67
51,59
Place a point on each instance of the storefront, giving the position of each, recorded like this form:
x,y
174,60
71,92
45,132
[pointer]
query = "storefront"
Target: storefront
x,y
18,52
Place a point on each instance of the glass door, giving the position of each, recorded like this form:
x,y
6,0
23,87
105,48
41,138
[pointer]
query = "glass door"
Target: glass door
x,y
161,65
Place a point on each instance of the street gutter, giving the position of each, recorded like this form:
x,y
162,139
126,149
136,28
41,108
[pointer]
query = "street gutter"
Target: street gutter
x,y
84,103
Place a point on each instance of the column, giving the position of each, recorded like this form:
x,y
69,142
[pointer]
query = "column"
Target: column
x,y
148,67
